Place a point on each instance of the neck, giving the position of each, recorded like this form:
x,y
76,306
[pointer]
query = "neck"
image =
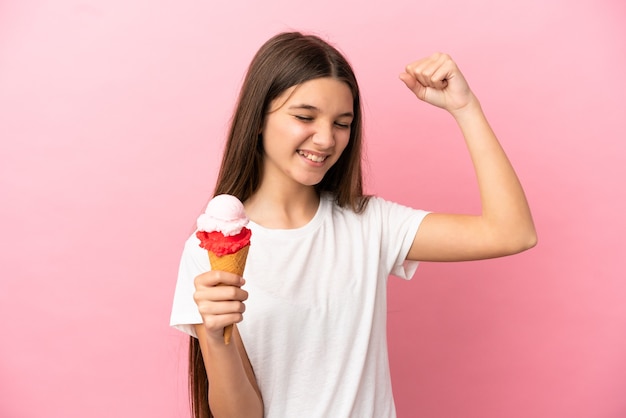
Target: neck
x,y
276,209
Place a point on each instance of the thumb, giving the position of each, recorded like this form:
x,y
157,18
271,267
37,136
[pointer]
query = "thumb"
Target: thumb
x,y
413,85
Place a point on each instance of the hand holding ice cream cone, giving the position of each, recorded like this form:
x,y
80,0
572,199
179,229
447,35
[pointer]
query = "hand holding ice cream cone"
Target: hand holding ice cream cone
x,y
222,232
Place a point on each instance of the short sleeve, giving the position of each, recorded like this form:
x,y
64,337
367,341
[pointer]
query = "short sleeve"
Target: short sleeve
x,y
399,226
403,268
194,261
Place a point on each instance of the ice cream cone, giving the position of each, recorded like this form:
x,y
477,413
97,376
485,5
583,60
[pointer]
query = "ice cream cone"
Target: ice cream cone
x,y
232,263
222,232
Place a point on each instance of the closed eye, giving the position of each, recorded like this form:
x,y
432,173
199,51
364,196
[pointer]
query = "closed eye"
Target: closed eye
x,y
341,125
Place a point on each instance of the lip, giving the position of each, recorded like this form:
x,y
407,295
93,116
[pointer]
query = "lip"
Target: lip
x,y
312,156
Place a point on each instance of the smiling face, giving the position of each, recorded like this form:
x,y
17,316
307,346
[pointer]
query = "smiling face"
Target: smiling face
x,y
305,131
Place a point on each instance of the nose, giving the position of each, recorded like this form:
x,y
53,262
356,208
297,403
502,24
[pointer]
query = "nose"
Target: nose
x,y
324,136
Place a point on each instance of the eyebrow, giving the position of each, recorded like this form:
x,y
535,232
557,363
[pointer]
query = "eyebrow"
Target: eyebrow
x,y
313,108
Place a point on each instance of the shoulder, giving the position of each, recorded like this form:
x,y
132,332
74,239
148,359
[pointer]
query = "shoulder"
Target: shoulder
x,y
376,206
194,258
376,209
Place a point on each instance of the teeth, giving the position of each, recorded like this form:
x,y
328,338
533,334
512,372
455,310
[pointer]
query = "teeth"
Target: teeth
x,y
312,157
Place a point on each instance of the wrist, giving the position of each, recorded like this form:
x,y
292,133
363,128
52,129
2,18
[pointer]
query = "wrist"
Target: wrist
x,y
469,110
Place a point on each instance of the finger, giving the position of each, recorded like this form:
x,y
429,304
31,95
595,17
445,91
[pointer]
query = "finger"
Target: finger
x,y
215,277
408,80
428,71
444,73
220,293
217,323
413,85
207,308
421,71
439,79
416,70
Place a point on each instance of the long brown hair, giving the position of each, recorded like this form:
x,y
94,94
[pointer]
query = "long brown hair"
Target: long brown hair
x,y
284,61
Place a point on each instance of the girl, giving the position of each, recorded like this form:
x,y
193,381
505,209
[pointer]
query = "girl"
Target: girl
x,y
314,340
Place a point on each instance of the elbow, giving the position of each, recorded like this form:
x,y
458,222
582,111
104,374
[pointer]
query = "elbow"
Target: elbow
x,y
529,235
523,241
529,242
532,239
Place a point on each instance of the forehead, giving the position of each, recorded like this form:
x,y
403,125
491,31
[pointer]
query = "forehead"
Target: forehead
x,y
325,93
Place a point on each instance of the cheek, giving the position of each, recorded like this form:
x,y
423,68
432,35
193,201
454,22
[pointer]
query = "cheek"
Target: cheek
x,y
342,141
285,134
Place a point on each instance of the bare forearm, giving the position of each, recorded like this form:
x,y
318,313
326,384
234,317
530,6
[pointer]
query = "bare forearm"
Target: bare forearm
x,y
231,389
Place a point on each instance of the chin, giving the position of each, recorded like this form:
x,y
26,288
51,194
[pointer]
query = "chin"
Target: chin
x,y
310,182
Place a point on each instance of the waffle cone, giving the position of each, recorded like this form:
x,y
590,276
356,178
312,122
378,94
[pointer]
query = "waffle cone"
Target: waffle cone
x,y
232,263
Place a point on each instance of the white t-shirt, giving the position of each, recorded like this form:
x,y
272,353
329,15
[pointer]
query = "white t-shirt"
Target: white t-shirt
x,y
315,321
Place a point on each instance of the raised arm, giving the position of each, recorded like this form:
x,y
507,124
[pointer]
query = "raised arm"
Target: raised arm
x,y
505,225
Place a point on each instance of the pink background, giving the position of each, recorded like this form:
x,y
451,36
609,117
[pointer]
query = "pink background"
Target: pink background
x,y
112,115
